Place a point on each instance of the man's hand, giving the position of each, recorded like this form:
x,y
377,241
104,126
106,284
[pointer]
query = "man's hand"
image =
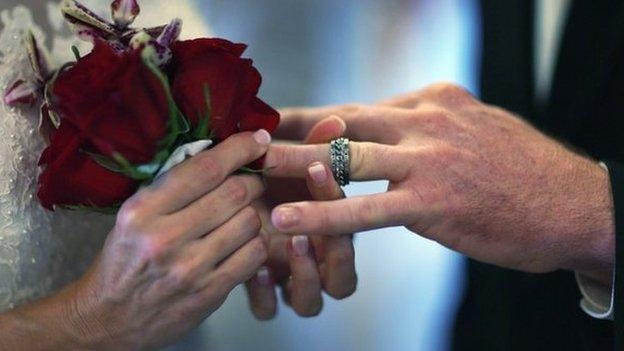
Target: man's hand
x,y
303,267
473,177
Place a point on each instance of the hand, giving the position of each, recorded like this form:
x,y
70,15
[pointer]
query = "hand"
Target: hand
x,y
473,177
303,266
178,248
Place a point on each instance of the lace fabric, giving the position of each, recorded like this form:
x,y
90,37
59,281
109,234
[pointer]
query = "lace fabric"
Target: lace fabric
x,y
41,251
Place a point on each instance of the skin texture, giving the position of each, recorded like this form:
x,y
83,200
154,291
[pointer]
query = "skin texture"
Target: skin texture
x,y
473,177
323,264
178,248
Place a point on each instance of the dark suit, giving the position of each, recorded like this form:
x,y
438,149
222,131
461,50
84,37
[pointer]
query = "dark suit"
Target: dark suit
x,y
510,310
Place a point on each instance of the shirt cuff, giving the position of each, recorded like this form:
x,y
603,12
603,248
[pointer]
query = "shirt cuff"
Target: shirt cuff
x,y
597,298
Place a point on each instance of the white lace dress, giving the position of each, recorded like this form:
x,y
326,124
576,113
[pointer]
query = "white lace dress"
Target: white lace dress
x,y
40,251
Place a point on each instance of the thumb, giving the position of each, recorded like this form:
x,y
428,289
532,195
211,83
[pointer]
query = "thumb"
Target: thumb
x,y
330,128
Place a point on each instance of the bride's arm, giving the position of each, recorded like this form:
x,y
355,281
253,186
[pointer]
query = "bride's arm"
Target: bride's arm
x,y
49,324
178,248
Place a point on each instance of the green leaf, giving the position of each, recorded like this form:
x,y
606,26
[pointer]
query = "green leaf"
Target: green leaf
x,y
76,52
47,94
105,162
131,171
119,164
178,124
247,170
202,131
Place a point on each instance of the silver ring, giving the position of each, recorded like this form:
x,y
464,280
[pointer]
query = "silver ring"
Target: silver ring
x,y
340,157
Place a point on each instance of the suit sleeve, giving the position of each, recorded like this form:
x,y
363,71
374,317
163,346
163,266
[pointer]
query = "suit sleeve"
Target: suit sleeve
x,y
616,174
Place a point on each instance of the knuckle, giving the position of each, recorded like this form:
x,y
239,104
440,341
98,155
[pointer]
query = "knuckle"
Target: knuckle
x,y
451,93
352,109
322,224
435,120
153,250
259,252
358,157
246,147
341,258
210,168
225,279
365,213
307,280
445,88
252,218
132,215
220,243
237,190
432,115
181,276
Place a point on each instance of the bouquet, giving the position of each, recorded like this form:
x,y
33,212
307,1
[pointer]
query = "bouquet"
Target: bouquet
x,y
135,106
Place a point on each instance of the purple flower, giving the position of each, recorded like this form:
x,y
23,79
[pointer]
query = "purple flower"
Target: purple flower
x,y
124,12
21,92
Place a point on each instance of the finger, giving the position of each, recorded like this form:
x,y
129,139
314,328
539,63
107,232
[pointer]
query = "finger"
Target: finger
x,y
338,274
348,215
369,161
365,123
202,173
446,94
408,101
206,253
330,128
321,184
216,207
261,294
286,290
305,291
241,265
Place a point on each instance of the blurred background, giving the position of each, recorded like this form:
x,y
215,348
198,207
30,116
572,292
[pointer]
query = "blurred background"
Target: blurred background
x,y
331,52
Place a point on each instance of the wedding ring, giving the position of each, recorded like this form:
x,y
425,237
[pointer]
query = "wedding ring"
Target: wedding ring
x,y
340,157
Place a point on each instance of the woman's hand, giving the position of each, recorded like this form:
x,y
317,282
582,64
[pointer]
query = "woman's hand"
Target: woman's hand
x,y
471,176
178,248
303,266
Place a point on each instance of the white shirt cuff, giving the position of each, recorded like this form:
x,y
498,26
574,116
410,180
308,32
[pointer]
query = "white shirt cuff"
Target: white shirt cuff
x,y
597,298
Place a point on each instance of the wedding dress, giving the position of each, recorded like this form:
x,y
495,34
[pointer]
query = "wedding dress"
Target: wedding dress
x,y
40,251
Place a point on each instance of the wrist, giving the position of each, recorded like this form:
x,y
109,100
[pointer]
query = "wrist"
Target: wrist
x,y
85,316
592,253
51,323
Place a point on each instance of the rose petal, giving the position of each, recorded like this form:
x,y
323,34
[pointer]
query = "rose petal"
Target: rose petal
x,y
71,177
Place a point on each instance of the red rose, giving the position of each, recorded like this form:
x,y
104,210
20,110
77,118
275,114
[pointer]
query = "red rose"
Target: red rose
x,y
110,103
115,101
233,83
71,177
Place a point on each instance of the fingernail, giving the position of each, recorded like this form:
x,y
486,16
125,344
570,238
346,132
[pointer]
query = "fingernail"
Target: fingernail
x,y
285,217
300,245
318,173
263,276
262,137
